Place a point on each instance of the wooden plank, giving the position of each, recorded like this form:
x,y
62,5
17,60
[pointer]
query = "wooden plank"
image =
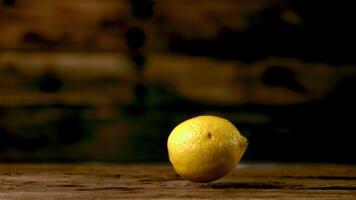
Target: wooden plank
x,y
85,73
143,181
95,24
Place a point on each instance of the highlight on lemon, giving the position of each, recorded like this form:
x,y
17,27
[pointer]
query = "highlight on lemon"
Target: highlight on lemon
x,y
205,148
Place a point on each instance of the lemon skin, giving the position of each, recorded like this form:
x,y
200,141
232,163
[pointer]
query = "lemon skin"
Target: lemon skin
x,y
205,148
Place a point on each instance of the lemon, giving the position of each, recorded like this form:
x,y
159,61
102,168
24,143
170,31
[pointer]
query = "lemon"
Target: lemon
x,y
205,148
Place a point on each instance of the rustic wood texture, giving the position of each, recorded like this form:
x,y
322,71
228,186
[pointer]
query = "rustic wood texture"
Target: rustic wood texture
x,y
101,25
142,181
228,82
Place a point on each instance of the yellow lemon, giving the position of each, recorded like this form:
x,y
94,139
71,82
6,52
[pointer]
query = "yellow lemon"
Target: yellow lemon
x,y
205,148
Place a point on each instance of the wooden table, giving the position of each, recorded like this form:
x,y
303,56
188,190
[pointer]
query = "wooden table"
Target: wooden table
x,y
152,181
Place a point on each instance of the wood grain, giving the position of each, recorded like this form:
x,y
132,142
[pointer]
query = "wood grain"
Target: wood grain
x,y
224,82
101,25
142,181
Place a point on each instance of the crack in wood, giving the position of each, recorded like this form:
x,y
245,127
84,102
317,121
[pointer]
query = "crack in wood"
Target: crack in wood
x,y
321,177
108,188
273,185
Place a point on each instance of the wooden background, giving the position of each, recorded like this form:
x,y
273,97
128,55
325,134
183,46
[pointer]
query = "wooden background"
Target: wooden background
x,y
70,82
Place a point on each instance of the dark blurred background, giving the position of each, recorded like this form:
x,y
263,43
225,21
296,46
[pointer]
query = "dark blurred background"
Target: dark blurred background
x,y
107,80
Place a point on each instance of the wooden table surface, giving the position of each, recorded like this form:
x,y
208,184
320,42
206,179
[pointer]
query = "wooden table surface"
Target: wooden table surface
x,y
152,181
